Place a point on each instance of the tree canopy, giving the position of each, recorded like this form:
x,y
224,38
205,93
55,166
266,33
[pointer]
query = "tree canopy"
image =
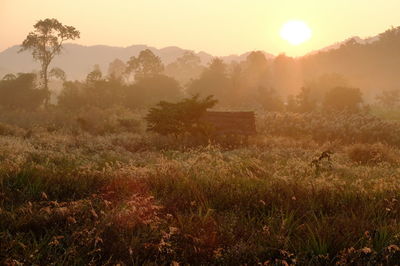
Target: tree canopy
x,y
178,118
20,91
343,99
145,65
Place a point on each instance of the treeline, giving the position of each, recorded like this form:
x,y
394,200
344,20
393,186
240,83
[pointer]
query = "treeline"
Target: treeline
x,y
141,82
371,64
316,82
138,83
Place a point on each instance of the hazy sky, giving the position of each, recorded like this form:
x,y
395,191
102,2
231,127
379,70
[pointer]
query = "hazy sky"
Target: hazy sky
x,y
220,27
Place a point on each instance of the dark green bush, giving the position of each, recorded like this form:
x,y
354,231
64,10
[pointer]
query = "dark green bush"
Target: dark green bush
x,y
179,118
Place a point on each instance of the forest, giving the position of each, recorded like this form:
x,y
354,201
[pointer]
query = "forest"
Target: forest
x,y
114,169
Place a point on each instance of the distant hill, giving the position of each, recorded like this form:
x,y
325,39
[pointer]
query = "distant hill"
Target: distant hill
x,y
337,45
372,64
78,60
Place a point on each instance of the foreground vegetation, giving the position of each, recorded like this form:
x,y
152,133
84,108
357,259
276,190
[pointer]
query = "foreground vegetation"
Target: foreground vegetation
x,y
82,182
90,192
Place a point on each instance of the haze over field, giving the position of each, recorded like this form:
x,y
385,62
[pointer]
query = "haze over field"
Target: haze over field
x,y
370,64
214,132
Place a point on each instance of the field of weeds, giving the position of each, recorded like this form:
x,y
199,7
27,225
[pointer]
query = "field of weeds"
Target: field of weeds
x,y
103,194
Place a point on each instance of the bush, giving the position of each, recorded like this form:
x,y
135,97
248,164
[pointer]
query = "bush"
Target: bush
x,y
9,130
99,121
343,99
371,154
21,92
179,118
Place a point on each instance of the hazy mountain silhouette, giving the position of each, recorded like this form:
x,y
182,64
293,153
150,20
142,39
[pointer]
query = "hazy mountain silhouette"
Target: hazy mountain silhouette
x,y
78,60
372,64
337,45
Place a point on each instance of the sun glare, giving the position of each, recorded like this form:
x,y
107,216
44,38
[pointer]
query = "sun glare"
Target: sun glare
x,y
296,32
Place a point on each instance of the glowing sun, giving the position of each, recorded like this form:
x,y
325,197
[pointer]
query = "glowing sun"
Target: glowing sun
x,y
296,32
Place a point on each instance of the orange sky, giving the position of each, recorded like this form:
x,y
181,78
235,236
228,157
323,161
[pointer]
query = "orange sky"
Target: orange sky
x,y
220,27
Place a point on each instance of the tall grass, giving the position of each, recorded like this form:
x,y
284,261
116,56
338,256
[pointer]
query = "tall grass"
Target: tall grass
x,y
132,198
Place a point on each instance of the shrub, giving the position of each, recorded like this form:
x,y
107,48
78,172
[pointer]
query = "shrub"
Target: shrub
x,y
179,118
9,130
371,154
343,98
99,121
21,92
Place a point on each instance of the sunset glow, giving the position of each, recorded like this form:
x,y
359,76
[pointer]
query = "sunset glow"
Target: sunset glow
x,y
296,32
217,27
187,132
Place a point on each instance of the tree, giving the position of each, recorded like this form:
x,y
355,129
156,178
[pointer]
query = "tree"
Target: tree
x,y
101,92
291,104
150,90
286,74
147,64
185,68
249,78
94,75
312,94
21,92
179,118
270,100
189,59
306,100
117,69
213,81
389,98
45,42
58,73
72,95
95,91
217,65
343,99
104,93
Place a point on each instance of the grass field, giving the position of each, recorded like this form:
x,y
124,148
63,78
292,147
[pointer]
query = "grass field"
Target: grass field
x,y
70,196
393,114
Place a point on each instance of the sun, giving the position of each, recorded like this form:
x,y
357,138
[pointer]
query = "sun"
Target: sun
x,y
296,32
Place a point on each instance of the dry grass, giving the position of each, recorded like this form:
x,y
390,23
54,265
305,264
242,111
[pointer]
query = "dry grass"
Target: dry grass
x,y
373,154
133,198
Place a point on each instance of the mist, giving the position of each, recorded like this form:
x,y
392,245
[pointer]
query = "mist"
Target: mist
x,y
144,156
